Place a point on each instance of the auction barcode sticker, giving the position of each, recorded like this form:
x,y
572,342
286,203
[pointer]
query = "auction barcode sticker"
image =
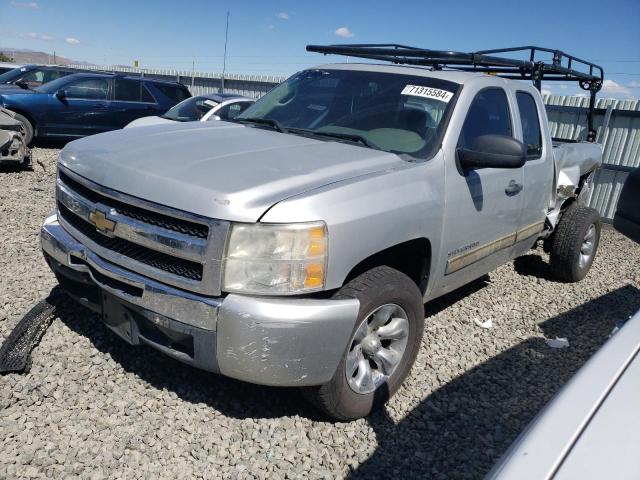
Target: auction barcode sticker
x,y
427,92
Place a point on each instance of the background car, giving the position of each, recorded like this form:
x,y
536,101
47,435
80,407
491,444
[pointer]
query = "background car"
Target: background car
x,y
31,76
87,103
6,66
213,106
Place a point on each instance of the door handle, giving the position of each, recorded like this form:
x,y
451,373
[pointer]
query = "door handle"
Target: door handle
x,y
513,188
100,105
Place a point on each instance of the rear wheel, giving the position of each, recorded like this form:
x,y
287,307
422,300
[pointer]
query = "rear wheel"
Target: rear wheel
x,y
27,128
382,347
574,243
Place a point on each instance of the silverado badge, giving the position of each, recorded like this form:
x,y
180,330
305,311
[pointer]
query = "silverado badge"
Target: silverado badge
x,y
102,223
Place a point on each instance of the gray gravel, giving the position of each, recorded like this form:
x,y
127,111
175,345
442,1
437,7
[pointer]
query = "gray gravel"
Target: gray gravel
x,y
93,407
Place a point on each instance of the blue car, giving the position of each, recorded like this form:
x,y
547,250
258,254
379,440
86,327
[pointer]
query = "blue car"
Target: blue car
x,y
83,104
31,76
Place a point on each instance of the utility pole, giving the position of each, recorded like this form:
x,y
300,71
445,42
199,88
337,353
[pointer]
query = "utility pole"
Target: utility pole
x,y
54,57
193,72
224,59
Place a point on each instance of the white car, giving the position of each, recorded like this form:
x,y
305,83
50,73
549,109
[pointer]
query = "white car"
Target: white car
x,y
214,106
590,429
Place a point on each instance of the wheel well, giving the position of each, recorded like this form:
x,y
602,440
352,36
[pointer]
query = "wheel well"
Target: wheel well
x,y
413,258
25,115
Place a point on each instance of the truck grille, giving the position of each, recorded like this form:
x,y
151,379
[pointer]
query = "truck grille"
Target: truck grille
x,y
159,260
153,218
171,248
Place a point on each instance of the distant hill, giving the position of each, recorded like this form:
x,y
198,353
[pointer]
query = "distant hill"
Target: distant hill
x,y
23,56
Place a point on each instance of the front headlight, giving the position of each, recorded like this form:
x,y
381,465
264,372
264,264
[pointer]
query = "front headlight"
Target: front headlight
x,y
269,259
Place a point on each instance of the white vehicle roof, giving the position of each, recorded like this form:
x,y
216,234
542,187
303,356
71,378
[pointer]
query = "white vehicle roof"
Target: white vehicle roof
x,y
452,76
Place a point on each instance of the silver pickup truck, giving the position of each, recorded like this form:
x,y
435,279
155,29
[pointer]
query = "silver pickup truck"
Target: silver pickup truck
x,y
297,245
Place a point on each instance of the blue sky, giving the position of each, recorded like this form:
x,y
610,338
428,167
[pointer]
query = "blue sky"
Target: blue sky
x,y
268,37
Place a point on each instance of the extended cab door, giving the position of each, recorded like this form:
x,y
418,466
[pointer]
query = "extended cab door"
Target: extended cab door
x,y
482,205
538,171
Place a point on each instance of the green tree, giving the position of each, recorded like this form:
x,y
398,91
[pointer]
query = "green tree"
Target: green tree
x,y
5,58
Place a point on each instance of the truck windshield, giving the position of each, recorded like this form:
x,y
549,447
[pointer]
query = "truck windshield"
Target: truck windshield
x,y
388,111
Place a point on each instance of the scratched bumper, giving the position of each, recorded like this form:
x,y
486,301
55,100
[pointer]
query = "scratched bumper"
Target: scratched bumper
x,y
268,341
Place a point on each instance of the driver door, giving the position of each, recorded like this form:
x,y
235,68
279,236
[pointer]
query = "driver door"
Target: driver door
x,y
83,111
483,205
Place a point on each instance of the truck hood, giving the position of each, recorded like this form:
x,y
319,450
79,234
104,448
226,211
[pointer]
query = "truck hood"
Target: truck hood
x,y
218,169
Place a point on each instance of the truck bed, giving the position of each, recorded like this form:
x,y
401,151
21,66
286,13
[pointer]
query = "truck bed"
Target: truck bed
x,y
573,160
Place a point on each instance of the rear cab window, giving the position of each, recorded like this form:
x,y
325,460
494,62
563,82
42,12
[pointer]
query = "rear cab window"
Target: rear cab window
x,y
531,134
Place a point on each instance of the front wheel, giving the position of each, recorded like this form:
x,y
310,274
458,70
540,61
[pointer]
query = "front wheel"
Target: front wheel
x,y
382,347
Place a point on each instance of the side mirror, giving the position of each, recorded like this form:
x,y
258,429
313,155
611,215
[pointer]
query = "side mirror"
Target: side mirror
x,y
493,151
62,93
23,85
214,118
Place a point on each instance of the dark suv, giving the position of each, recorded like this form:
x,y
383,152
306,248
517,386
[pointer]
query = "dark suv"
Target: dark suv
x,y
86,103
31,76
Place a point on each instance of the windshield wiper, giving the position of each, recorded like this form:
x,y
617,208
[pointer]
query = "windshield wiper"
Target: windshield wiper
x,y
352,137
264,121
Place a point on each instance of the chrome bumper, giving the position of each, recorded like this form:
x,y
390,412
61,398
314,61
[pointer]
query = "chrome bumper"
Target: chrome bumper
x,y
269,341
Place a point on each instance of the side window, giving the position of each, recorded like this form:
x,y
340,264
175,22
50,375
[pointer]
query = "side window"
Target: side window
x,y
127,90
232,111
531,135
50,75
487,115
146,96
90,88
244,106
174,92
33,78
223,113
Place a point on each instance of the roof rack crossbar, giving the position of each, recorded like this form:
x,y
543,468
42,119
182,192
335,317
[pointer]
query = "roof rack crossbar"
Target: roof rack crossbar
x,y
403,54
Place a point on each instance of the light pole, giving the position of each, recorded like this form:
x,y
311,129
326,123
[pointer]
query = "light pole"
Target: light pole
x,y
224,59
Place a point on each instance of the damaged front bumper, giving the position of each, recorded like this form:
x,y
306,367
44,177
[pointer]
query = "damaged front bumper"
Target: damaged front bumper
x,y
262,340
12,148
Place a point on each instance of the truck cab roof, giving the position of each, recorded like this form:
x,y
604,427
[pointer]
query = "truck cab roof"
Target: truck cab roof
x,y
452,76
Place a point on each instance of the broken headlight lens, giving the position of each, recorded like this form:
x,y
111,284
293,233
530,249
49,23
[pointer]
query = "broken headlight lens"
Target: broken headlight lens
x,y
275,259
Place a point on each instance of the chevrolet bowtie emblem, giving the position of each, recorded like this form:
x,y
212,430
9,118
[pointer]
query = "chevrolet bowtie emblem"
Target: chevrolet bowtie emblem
x,y
102,223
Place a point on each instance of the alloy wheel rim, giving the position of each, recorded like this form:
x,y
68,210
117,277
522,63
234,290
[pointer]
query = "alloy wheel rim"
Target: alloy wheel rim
x,y
376,348
587,247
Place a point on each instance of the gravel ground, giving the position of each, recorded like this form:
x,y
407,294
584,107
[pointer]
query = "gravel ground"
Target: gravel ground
x,y
93,407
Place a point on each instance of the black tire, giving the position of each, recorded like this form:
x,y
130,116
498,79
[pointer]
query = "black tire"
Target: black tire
x,y
374,288
27,128
567,242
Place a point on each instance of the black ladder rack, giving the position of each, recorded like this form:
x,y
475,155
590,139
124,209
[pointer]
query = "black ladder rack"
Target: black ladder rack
x,y
562,67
